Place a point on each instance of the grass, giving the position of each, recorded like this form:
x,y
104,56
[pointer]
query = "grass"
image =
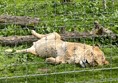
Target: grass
x,y
15,68
22,65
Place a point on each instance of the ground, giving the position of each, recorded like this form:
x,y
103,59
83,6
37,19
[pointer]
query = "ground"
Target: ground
x,y
26,68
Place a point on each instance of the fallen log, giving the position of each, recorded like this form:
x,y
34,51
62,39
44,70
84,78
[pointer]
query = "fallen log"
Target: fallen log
x,y
19,20
16,40
97,32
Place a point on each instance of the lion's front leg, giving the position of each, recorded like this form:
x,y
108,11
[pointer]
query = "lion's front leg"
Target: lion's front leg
x,y
56,60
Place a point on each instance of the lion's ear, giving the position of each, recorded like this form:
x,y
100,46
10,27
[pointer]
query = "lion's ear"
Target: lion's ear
x,y
106,62
98,45
96,48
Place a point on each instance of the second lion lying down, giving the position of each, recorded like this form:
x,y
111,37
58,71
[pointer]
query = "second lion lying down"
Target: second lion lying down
x,y
56,51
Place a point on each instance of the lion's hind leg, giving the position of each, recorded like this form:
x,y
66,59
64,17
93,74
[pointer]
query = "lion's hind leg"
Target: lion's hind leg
x,y
28,50
37,34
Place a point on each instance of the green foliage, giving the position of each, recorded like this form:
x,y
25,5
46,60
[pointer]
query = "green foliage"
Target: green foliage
x,y
54,14
79,14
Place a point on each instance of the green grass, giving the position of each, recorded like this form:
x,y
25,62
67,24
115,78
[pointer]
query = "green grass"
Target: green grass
x,y
13,65
80,15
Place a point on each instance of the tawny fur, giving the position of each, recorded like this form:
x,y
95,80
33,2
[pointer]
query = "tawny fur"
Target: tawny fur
x,y
56,51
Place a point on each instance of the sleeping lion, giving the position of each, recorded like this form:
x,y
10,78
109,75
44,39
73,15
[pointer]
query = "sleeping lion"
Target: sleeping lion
x,y
57,51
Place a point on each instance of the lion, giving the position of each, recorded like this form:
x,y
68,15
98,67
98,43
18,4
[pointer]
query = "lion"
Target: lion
x,y
57,51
